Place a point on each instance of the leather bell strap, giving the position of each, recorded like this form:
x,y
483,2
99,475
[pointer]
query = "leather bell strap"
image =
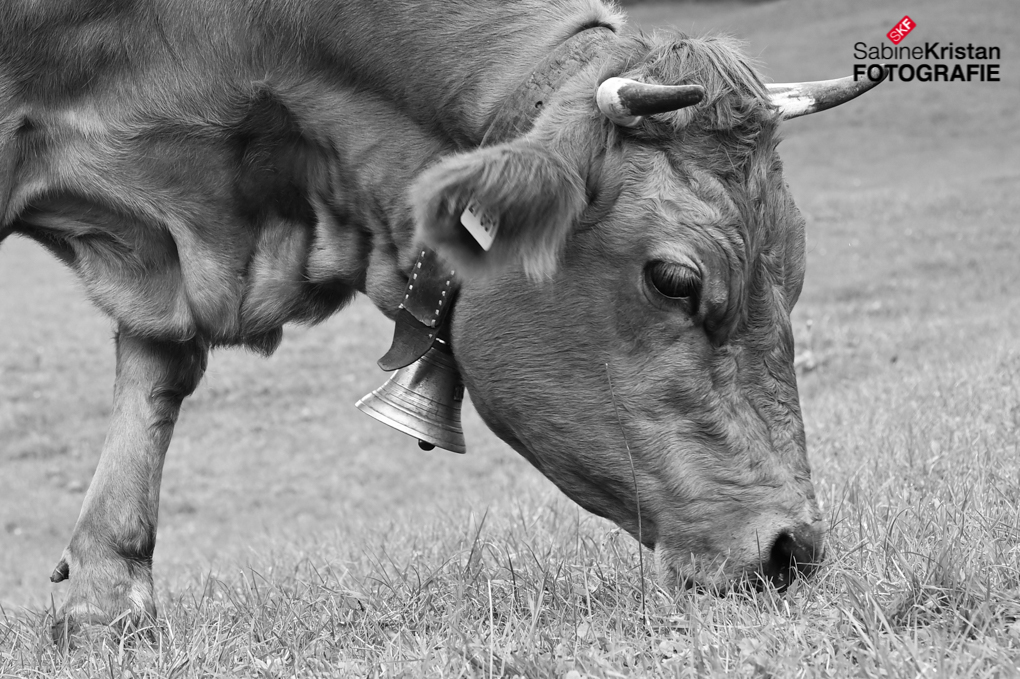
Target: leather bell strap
x,y
431,288
432,285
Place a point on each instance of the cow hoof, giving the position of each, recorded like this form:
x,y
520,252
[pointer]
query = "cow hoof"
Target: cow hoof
x,y
115,596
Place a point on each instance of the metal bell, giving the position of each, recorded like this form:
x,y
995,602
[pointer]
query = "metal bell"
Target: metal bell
x,y
423,400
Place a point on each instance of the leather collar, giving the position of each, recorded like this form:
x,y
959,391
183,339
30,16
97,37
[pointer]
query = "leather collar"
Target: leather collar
x,y
519,111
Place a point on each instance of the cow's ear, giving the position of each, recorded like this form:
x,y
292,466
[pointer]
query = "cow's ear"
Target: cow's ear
x,y
532,195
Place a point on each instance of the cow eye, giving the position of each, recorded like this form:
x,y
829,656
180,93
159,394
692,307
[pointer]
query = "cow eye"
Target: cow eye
x,y
675,282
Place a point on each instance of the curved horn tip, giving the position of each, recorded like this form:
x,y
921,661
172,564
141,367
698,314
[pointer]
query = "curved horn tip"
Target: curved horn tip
x,y
799,99
626,101
608,98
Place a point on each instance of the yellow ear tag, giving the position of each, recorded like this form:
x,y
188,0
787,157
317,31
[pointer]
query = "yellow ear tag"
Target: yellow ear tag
x,y
480,224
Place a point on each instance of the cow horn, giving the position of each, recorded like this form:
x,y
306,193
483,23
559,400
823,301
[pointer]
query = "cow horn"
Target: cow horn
x,y
625,101
799,99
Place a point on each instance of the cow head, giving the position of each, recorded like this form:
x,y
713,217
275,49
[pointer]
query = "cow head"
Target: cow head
x,y
629,331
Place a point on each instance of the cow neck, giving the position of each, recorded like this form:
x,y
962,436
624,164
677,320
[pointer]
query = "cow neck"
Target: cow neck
x,y
432,284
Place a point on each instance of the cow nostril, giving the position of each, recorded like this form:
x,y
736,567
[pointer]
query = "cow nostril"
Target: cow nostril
x,y
794,553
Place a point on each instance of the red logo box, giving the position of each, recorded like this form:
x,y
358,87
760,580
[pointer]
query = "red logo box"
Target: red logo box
x,y
901,30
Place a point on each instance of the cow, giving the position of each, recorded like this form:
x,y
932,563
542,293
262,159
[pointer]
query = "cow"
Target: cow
x,y
214,169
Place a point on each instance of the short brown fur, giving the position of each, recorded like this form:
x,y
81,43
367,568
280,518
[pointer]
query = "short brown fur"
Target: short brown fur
x,y
215,169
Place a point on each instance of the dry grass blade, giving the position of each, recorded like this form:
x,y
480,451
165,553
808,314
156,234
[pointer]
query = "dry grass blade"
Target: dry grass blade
x,y
637,496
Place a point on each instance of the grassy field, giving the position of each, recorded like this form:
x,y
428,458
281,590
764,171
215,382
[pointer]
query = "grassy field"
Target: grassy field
x,y
300,538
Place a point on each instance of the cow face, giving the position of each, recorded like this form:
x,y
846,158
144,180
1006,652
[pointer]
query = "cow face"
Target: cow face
x,y
629,332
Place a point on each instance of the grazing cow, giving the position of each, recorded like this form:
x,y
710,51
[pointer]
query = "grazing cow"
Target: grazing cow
x,y
214,169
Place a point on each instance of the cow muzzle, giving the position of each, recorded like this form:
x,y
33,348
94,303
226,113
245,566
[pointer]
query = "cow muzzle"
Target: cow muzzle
x,y
794,552
757,560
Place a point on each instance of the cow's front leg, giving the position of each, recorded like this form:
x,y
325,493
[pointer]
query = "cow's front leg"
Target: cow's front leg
x,y
109,558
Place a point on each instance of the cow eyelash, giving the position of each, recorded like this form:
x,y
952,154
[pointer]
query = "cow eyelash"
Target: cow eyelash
x,y
677,283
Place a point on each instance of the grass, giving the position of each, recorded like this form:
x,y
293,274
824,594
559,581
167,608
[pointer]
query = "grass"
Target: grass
x,y
299,538
925,583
